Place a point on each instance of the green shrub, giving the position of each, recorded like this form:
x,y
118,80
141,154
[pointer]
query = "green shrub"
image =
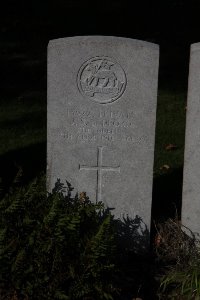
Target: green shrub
x,y
53,246
179,251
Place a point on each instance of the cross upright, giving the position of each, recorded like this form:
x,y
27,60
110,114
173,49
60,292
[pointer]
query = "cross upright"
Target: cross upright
x,y
99,168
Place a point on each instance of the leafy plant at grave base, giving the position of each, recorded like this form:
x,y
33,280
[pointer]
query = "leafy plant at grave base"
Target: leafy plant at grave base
x,y
179,250
53,246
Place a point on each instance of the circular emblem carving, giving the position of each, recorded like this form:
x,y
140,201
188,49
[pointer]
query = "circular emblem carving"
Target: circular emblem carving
x,y
101,79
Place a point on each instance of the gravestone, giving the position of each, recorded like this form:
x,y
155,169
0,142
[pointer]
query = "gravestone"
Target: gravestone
x,y
102,95
191,178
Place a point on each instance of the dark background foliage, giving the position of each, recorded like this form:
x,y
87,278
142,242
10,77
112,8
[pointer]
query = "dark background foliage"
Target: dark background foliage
x,y
174,24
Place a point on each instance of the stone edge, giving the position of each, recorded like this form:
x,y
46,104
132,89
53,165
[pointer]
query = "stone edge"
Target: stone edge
x,y
195,47
99,38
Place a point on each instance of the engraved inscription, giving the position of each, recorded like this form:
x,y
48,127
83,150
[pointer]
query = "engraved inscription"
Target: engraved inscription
x,y
101,79
100,126
99,168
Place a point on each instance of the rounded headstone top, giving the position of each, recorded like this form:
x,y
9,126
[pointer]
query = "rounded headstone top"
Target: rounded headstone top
x,y
102,39
195,47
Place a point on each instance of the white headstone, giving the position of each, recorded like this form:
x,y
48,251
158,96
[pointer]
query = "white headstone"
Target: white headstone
x,y
191,178
102,94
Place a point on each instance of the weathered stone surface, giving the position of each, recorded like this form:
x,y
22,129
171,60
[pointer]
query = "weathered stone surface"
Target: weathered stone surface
x,y
191,181
102,94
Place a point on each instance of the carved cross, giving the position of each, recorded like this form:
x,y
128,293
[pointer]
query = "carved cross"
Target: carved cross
x,y
100,169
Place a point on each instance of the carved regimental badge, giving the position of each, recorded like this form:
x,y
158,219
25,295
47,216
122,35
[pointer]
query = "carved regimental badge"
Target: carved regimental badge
x,y
101,79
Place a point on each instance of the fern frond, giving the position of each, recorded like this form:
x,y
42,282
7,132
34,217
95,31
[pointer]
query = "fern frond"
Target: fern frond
x,y
59,295
19,263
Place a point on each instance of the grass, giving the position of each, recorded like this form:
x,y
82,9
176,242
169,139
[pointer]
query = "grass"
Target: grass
x,y
23,103
23,123
170,129
178,253
23,127
23,132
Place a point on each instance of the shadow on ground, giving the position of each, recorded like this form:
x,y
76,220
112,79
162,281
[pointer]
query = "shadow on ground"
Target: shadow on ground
x,y
134,261
167,197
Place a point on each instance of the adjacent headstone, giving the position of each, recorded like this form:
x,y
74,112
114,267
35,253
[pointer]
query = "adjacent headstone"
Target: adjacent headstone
x,y
191,181
102,94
